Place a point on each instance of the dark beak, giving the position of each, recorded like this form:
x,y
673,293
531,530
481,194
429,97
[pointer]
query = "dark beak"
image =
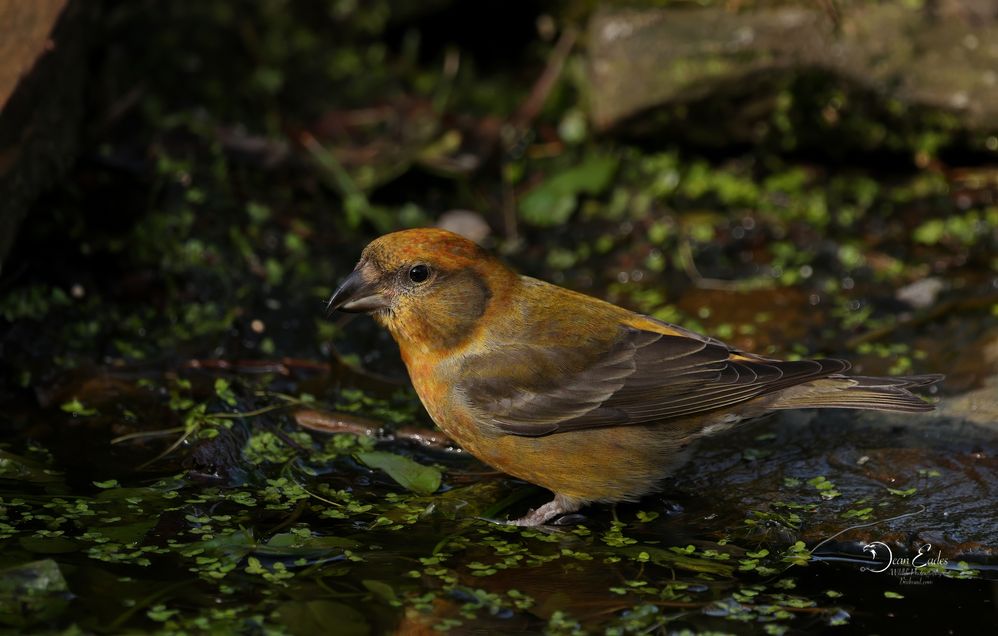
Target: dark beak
x,y
356,295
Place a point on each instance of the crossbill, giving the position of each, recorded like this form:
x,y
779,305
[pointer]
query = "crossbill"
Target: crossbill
x,y
587,399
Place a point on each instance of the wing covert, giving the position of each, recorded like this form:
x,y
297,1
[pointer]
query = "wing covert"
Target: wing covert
x,y
640,378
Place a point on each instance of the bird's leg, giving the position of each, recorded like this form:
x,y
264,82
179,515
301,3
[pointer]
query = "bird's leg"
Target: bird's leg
x,y
560,505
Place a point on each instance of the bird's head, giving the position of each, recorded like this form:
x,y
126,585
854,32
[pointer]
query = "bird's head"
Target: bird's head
x,y
429,287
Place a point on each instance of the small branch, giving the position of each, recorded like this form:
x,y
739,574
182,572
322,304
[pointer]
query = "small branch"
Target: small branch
x,y
937,312
338,422
532,106
147,434
174,446
690,267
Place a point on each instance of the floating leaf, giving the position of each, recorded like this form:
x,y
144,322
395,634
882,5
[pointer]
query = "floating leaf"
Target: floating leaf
x,y
422,480
48,545
128,533
16,467
380,589
322,617
677,559
290,545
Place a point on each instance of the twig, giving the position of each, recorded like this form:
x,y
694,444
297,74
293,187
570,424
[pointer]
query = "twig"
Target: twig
x,y
935,313
355,202
290,519
690,267
336,422
510,225
532,106
144,434
171,448
253,413
527,113
867,525
295,446
322,499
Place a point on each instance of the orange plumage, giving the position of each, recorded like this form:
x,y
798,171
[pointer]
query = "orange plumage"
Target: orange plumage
x,y
587,399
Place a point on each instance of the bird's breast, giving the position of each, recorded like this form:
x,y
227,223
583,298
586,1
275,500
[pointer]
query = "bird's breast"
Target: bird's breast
x,y
434,381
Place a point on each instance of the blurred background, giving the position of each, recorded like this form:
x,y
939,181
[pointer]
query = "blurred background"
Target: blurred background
x,y
183,184
191,167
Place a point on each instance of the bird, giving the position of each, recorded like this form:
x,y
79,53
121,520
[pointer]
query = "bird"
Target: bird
x,y
592,401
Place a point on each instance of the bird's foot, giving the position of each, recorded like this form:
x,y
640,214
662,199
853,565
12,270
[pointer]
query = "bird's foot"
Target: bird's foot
x,y
558,506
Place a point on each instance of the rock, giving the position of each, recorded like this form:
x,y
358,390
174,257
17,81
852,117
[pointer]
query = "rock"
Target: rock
x,y
43,64
969,370
892,463
468,224
643,58
979,406
24,37
922,293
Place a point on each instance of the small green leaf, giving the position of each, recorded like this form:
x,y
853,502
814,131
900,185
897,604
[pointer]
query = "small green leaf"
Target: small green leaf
x,y
224,391
930,232
553,201
110,483
422,480
645,517
160,613
890,594
77,408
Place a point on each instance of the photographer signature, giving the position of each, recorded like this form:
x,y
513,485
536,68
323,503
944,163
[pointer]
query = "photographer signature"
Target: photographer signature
x,y
878,550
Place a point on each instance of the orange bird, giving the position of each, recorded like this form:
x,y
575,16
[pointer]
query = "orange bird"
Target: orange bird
x,y
589,400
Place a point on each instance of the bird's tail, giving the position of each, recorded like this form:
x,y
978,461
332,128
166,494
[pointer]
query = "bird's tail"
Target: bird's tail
x,y
858,392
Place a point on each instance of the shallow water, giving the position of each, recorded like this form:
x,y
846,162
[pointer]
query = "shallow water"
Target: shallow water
x,y
765,526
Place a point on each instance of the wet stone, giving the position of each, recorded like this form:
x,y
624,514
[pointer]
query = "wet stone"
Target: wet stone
x,y
640,58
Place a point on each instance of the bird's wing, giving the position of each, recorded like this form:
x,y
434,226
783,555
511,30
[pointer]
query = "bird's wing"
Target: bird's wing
x,y
642,377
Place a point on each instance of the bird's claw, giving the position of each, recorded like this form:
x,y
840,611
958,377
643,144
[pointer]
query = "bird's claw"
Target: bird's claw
x,y
498,522
551,510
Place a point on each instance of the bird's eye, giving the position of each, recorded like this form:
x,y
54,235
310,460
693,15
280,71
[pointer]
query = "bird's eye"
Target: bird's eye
x,y
419,273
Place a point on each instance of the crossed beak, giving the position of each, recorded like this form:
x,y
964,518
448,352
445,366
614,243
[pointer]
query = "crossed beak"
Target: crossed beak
x,y
357,294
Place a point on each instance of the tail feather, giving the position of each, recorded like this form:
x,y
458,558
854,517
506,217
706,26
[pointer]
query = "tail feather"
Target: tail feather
x,y
859,392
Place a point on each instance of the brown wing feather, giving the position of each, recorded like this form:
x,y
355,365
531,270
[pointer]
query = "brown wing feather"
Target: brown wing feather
x,y
642,377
